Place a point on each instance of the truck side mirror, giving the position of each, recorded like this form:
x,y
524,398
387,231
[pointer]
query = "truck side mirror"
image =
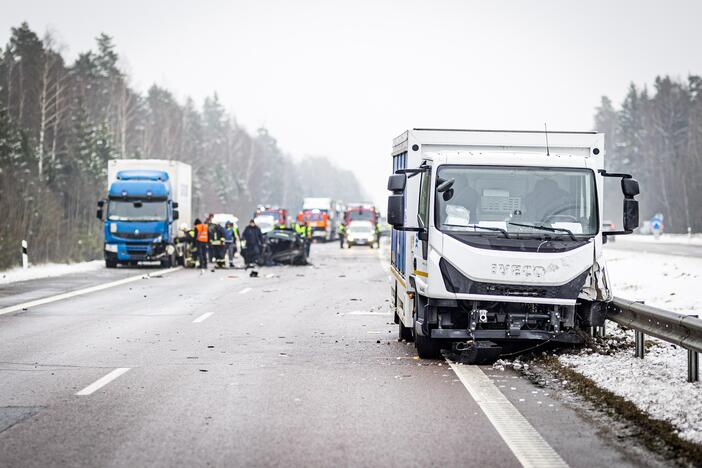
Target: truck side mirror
x,y
396,201
176,215
630,187
396,210
99,212
397,182
631,214
175,205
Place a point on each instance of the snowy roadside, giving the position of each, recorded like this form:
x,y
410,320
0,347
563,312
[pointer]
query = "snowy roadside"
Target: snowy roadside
x,y
668,282
657,384
48,270
695,239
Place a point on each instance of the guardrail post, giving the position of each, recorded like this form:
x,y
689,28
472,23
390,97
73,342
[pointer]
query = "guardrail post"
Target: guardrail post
x,y
639,343
693,366
25,257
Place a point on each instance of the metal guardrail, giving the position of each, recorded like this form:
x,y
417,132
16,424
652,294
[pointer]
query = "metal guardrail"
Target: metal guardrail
x,y
682,330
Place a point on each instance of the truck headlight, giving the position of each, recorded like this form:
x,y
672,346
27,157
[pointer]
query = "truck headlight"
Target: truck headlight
x,y
158,240
111,248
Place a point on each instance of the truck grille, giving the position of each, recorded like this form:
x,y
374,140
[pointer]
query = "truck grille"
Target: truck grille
x,y
132,235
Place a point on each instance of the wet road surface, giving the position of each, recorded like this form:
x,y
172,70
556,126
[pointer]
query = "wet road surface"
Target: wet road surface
x,y
298,367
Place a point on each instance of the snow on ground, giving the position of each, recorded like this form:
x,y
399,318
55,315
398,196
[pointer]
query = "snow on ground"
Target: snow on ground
x,y
668,282
658,383
695,239
48,270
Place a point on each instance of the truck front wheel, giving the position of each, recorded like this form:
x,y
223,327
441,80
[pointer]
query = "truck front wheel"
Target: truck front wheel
x,y
427,348
110,263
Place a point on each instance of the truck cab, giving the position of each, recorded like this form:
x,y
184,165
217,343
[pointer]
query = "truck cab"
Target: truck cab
x,y
139,212
496,239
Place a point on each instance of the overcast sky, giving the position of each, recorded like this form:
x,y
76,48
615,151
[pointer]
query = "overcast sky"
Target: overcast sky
x,y
341,79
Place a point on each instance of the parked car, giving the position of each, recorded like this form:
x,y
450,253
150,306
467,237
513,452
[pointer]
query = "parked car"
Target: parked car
x,y
361,233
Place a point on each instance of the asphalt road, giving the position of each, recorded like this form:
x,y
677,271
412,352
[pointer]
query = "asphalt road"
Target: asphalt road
x,y
298,367
663,248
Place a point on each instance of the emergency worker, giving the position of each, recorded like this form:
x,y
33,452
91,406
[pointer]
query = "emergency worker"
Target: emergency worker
x,y
217,235
231,235
202,240
341,232
253,239
191,258
305,230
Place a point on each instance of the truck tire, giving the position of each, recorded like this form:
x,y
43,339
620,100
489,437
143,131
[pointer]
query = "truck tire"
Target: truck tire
x,y
427,348
167,261
110,264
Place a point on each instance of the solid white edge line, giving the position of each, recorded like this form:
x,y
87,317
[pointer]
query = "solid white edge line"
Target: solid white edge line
x,y
525,442
203,317
101,382
244,291
80,292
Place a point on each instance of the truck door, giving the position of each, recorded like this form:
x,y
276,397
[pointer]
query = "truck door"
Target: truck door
x,y
420,249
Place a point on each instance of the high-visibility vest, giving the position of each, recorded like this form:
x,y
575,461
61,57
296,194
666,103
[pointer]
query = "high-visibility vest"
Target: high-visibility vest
x,y
202,235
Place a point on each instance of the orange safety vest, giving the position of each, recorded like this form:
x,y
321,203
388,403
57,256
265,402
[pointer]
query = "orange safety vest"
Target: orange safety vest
x,y
202,235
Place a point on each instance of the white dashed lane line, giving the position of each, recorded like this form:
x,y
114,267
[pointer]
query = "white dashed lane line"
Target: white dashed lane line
x,y
80,292
101,382
520,436
244,291
203,317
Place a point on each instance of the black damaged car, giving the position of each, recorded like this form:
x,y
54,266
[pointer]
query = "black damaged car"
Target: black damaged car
x,y
283,246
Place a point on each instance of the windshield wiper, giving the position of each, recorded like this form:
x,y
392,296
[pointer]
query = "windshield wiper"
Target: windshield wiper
x,y
477,226
546,228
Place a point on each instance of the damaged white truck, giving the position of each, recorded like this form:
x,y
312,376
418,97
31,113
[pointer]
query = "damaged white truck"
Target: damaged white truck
x,y
496,240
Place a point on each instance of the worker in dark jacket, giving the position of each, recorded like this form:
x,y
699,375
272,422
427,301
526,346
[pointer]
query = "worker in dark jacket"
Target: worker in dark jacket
x,y
253,238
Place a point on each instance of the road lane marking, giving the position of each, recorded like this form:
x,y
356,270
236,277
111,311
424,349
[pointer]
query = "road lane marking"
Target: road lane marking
x,y
80,292
203,317
363,312
244,291
520,436
101,382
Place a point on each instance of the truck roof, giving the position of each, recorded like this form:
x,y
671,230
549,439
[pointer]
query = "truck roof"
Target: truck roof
x,y
529,141
139,189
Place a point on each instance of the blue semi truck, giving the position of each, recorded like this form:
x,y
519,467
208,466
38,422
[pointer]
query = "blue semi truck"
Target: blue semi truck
x,y
145,200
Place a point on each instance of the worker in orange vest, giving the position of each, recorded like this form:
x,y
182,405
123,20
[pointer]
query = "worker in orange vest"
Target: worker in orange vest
x,y
202,241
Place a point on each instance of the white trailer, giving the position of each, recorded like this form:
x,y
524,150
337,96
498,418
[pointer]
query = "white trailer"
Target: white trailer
x,y
496,238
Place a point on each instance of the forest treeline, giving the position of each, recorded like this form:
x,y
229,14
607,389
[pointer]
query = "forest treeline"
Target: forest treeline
x,y
60,123
656,135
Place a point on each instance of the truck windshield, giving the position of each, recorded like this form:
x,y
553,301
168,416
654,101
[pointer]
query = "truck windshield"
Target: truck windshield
x,y
520,200
361,215
136,211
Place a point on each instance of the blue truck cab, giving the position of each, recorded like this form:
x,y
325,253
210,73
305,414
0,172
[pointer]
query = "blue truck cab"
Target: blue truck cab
x,y
139,216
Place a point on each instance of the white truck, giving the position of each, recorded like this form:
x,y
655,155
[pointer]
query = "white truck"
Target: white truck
x,y
496,242
146,201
